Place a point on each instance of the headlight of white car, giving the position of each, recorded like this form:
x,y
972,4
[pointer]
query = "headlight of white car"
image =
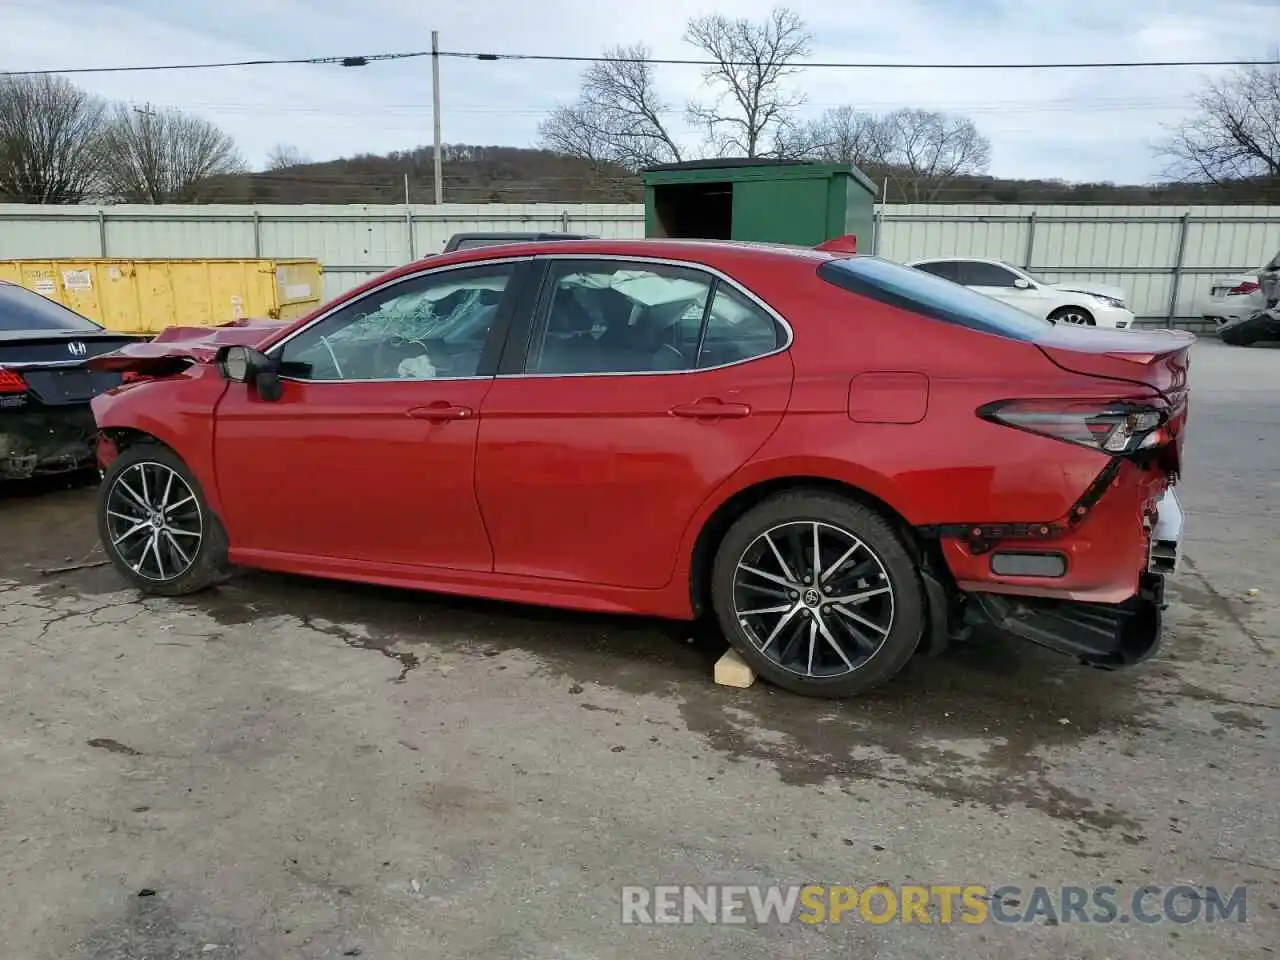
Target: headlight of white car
x,y
1109,301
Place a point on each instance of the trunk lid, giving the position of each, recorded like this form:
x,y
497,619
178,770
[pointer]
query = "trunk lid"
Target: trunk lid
x,y
1156,359
55,363
177,347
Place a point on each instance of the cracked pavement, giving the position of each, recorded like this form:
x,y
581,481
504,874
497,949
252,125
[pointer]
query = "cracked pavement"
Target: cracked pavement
x,y
284,768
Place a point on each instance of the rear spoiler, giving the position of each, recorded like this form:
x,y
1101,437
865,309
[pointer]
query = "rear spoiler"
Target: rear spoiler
x,y
846,244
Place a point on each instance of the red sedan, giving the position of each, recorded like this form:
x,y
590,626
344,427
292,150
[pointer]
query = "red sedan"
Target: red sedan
x,y
842,459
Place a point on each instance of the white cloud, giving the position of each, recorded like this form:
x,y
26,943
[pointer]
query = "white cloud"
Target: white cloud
x,y
1073,124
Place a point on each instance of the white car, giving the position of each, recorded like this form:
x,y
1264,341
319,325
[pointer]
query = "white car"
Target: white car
x,y
1087,304
1233,297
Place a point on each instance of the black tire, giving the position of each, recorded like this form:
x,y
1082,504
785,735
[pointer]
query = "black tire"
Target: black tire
x,y
1058,316
1237,338
207,564
834,515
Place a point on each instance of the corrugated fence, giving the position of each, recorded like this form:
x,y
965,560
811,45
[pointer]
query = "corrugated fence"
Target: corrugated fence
x,y
1164,257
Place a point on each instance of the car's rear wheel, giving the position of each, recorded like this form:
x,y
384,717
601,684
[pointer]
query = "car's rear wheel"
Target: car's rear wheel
x,y
1077,316
155,525
818,594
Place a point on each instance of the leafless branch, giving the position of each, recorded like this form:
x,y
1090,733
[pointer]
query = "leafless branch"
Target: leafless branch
x,y
1234,134
752,60
925,150
842,135
164,156
49,130
618,117
286,155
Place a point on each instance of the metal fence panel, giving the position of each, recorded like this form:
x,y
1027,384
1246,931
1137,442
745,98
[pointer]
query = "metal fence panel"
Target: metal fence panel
x,y
1165,257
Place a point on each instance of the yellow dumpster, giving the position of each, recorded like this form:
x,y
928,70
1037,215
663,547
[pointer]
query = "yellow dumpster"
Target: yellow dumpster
x,y
145,296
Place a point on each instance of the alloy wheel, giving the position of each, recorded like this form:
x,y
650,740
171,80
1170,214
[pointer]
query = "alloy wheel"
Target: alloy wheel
x,y
813,598
154,521
1076,317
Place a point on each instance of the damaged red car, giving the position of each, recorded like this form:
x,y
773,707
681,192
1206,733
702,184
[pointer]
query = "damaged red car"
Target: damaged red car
x,y
842,460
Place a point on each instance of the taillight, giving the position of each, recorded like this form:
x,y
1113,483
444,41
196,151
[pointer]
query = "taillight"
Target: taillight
x,y
11,382
1243,289
1117,427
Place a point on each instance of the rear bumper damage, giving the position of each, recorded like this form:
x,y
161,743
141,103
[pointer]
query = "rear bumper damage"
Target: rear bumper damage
x,y
1097,630
1103,635
41,442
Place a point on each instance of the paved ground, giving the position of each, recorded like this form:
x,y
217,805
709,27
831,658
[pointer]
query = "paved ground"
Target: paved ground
x,y
292,769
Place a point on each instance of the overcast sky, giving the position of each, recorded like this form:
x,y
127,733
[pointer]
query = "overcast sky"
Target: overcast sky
x,y
1072,124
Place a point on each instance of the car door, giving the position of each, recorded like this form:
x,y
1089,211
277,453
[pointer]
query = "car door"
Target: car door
x,y
1001,283
634,390
368,455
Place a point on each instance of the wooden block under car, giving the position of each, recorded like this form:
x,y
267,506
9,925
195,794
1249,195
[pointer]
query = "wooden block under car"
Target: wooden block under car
x,y
732,671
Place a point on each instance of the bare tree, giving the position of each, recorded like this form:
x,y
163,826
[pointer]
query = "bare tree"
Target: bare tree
x,y
841,135
618,117
925,150
48,138
164,156
1235,133
752,114
286,155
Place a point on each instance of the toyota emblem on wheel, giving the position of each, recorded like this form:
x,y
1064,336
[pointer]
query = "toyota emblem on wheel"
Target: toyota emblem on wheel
x,y
76,348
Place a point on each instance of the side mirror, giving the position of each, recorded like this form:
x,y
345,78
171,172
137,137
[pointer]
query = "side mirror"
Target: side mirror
x,y
247,365
1021,284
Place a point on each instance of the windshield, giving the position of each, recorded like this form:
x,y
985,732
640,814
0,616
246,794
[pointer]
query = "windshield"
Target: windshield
x,y
923,293
22,310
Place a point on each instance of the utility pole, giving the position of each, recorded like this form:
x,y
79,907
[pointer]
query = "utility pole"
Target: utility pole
x,y
149,167
435,111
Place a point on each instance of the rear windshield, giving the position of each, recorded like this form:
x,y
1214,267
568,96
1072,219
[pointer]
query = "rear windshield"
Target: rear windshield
x,y
910,289
22,310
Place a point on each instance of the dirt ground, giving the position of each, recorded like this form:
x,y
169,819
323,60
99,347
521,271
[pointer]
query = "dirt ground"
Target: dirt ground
x,y
294,769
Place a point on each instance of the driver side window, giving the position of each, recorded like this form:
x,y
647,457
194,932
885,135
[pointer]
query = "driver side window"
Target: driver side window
x,y
423,328
979,274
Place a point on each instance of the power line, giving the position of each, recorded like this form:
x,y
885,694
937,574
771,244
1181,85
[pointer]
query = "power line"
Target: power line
x,y
356,61
846,65
365,59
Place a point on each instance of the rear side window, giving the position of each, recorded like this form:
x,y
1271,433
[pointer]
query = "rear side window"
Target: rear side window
x,y
946,269
22,310
909,289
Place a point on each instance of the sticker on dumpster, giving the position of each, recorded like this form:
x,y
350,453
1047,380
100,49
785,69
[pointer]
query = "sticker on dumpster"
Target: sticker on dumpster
x,y
237,307
114,273
77,280
44,285
297,291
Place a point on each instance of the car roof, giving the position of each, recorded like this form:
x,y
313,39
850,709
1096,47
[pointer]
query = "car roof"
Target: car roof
x,y
712,253
994,260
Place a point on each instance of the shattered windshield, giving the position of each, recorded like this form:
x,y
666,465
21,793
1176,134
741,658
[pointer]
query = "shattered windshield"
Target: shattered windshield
x,y
447,313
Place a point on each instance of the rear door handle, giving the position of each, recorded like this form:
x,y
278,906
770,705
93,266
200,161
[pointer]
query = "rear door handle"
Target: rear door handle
x,y
440,411
709,408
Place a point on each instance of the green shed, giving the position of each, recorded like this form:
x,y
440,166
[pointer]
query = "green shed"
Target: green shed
x,y
773,201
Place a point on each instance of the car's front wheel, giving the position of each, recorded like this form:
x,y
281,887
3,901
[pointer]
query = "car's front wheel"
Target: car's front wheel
x,y
155,525
1076,316
818,594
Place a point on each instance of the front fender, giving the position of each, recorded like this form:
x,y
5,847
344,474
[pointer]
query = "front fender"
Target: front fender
x,y
177,411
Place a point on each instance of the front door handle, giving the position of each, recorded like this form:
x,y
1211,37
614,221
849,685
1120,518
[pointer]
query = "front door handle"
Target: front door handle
x,y
440,411
711,408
